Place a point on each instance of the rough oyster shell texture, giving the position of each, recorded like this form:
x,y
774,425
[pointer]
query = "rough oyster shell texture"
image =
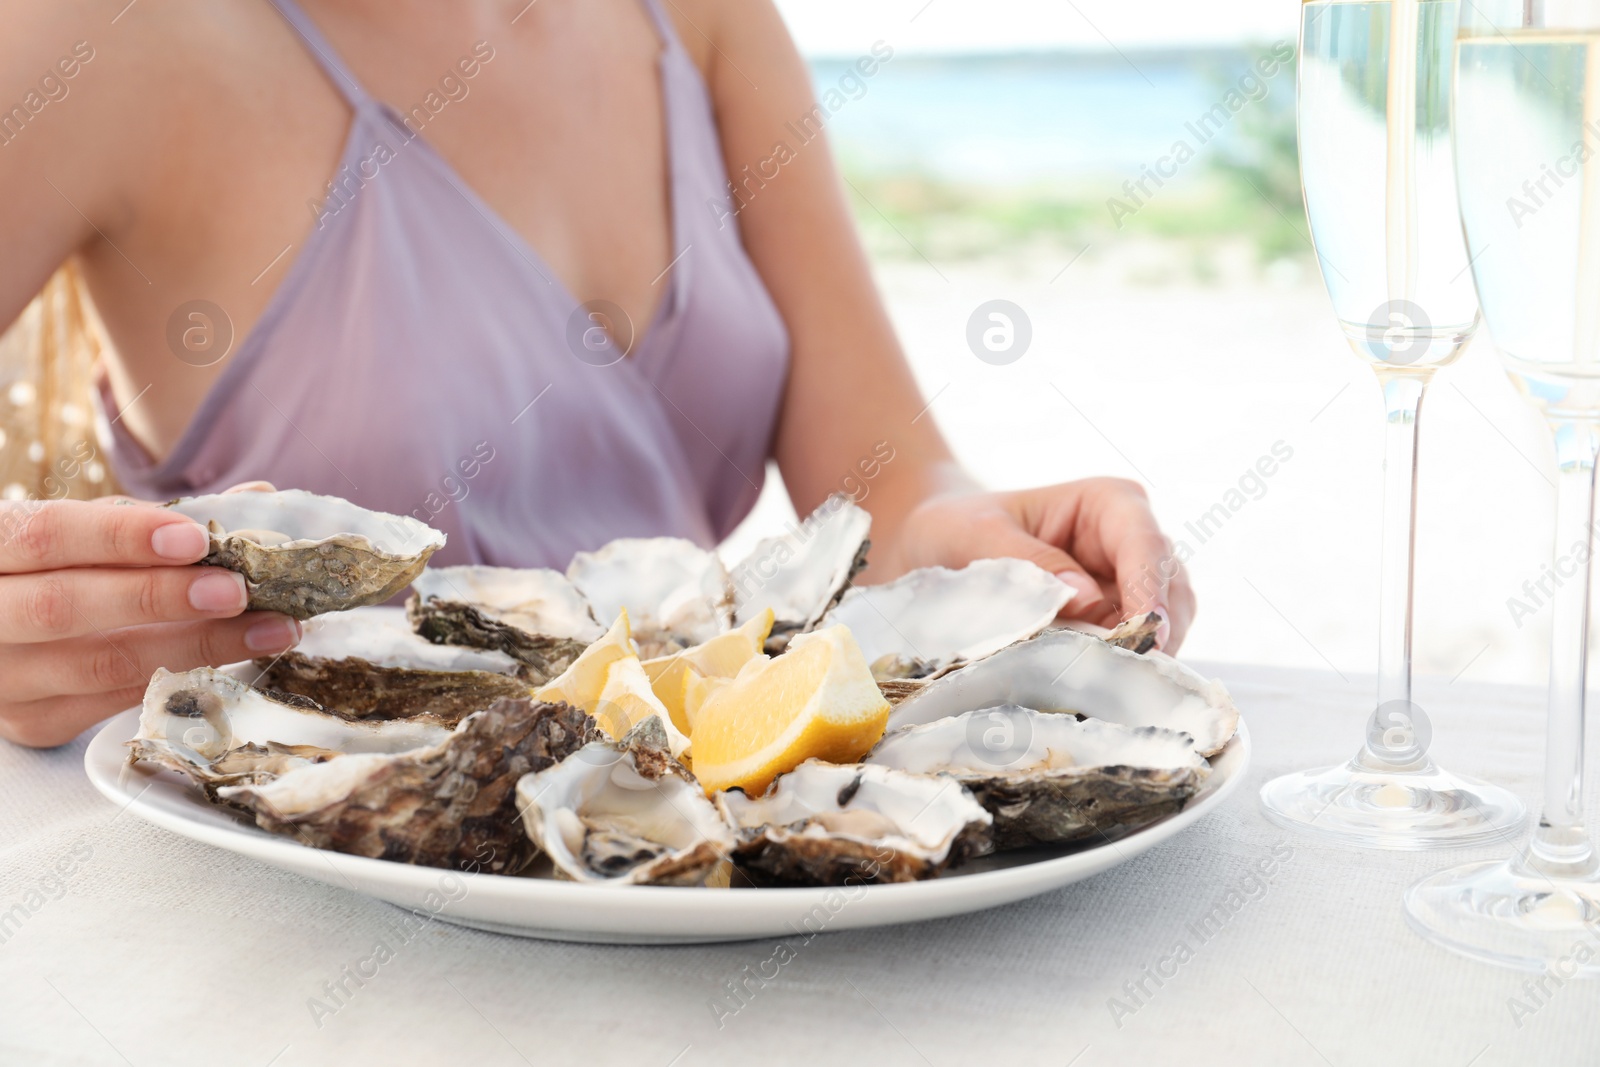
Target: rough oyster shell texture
x,y
403,790
851,824
625,812
303,554
368,664
1049,778
534,615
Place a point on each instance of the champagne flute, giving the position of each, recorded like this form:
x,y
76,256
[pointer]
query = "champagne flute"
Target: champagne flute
x,y
1527,141
1375,164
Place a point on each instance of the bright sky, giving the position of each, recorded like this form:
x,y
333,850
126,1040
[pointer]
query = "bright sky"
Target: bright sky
x,y
848,27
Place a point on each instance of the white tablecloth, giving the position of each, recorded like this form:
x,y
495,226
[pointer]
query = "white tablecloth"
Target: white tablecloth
x,y
139,947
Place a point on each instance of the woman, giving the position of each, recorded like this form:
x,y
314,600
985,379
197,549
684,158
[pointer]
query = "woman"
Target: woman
x,y
342,246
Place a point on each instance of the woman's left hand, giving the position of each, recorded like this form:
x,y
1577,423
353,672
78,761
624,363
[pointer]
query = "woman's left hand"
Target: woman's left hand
x,y
1097,535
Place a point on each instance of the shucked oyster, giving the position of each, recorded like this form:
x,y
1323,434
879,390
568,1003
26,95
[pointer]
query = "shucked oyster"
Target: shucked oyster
x,y
303,554
368,664
933,620
676,593
1071,671
536,616
408,790
802,573
838,824
625,812
1049,778
216,730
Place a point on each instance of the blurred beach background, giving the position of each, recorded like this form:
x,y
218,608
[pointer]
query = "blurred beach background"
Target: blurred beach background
x,y
1181,342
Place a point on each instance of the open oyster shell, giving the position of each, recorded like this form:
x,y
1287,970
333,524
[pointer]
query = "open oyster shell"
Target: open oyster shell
x,y
676,593
216,730
930,621
368,664
1049,778
802,573
535,616
842,824
408,790
625,812
303,554
1076,672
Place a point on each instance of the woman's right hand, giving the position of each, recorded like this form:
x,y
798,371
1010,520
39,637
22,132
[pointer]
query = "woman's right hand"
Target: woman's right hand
x,y
94,596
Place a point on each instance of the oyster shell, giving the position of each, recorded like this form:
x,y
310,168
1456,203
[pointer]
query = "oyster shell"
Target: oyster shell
x,y
535,616
1049,778
930,621
625,813
803,573
409,790
1072,671
676,593
839,824
303,554
216,730
368,664
1137,634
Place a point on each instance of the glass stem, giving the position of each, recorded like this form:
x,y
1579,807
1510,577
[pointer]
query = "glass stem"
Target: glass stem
x,y
1561,845
1402,401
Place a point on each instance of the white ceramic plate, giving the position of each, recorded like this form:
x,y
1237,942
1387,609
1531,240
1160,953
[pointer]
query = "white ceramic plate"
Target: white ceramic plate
x,y
566,911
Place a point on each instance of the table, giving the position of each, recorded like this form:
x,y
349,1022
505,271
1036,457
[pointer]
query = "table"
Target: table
x,y
147,949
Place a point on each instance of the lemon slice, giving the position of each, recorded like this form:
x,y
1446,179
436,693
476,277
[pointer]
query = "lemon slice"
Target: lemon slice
x,y
627,700
818,700
581,683
720,657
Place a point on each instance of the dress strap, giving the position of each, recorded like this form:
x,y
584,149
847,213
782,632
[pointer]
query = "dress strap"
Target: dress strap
x,y
323,52
664,26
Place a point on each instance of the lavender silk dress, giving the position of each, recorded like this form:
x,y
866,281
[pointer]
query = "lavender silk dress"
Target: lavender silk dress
x,y
419,358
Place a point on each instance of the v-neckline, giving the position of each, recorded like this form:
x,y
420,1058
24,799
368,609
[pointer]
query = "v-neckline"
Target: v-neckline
x,y
666,307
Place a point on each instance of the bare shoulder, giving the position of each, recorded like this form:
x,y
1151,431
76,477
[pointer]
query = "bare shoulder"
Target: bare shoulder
x,y
725,36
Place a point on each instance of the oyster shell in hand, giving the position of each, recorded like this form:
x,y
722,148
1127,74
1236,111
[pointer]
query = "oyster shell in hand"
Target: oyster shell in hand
x,y
1076,672
303,554
799,575
534,615
676,593
931,621
849,824
625,813
1049,778
368,664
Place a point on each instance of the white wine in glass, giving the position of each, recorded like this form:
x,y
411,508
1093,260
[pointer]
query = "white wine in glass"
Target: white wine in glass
x,y
1527,141
1376,168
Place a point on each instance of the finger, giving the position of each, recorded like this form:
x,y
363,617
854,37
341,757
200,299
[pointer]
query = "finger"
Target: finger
x,y
54,534
1124,533
1006,539
1180,595
122,659
71,603
251,487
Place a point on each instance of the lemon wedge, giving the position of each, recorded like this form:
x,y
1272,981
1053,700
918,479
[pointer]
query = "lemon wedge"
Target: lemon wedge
x,y
817,700
720,657
608,681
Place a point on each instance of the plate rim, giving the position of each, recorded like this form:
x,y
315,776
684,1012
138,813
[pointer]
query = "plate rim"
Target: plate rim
x,y
110,775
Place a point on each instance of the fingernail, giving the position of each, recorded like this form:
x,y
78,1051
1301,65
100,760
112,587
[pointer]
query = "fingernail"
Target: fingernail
x,y
273,635
1086,589
181,541
218,591
1163,629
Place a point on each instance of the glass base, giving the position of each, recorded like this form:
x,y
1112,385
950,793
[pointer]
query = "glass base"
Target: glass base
x,y
1505,912
1414,807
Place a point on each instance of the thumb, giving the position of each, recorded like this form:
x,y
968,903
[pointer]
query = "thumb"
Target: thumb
x,y
1087,597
